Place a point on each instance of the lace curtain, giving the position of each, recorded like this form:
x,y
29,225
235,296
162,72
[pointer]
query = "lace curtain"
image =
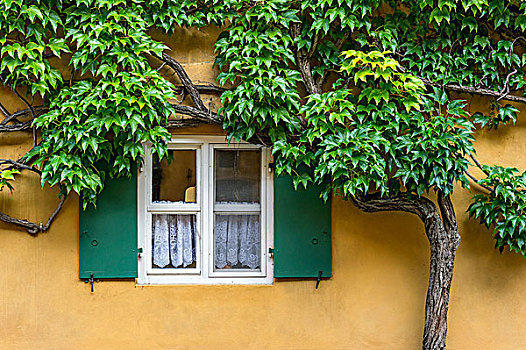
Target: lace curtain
x,y
237,241
173,240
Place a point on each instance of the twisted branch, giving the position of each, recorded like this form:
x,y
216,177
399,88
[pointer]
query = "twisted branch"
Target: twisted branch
x,y
19,165
476,91
303,63
31,227
199,115
449,217
4,111
14,117
22,113
420,206
478,164
204,89
16,127
477,182
506,89
185,80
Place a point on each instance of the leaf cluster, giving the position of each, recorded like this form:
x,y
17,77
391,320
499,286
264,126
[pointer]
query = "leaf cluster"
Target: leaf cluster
x,y
113,100
361,92
502,209
6,176
372,83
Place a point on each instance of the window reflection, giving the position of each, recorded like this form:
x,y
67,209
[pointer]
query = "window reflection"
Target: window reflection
x,y
174,178
237,176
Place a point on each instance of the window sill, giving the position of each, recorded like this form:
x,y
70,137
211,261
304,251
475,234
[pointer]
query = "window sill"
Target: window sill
x,y
197,280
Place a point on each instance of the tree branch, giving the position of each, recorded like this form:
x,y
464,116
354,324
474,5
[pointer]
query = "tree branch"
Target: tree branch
x,y
22,113
475,180
16,127
185,80
55,213
183,123
204,89
476,91
19,165
420,206
506,89
449,218
203,116
31,227
478,164
32,113
314,45
4,110
303,63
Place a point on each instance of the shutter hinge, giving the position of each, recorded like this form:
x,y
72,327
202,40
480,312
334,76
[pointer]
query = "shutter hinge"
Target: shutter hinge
x,y
139,253
271,252
271,167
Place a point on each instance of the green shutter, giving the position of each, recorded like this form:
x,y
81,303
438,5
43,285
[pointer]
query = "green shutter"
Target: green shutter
x,y
108,233
302,231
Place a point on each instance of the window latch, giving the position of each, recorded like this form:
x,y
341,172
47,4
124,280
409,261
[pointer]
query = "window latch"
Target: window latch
x,y
91,281
318,280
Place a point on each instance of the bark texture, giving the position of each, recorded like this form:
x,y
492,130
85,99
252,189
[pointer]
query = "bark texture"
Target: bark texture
x,y
443,239
303,61
442,232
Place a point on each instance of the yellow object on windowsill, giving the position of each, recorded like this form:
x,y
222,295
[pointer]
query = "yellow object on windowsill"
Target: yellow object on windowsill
x,y
189,195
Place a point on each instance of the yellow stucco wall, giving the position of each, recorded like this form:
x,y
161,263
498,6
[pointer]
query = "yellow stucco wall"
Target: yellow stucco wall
x,y
375,299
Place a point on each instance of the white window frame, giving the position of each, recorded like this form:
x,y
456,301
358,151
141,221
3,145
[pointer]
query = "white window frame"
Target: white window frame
x,y
204,272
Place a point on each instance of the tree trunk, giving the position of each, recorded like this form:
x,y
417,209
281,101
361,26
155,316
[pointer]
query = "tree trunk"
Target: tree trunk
x,y
443,239
442,233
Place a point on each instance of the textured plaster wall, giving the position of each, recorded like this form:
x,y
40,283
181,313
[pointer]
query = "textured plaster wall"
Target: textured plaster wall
x,y
375,299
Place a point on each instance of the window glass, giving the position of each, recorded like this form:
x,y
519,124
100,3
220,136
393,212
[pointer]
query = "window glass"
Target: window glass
x,y
174,179
237,242
237,176
173,241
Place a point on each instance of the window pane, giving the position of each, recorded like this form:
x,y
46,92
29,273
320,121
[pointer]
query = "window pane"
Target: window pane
x,y
237,176
173,241
174,182
237,242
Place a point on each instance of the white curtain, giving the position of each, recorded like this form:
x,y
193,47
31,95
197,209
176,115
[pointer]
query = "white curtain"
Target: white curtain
x,y
237,241
173,240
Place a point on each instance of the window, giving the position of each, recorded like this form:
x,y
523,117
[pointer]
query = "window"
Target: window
x,y
212,194
205,214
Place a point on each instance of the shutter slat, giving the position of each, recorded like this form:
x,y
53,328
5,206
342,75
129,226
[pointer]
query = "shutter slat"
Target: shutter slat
x,y
302,231
108,233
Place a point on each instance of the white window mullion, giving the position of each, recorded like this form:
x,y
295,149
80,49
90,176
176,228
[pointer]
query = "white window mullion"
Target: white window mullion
x,y
205,208
210,209
263,215
142,218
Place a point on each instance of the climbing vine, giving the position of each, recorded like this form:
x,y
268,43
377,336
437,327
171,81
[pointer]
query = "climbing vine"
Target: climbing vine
x,y
368,95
